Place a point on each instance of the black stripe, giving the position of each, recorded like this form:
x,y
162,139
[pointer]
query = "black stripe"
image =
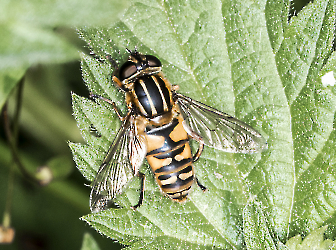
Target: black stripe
x,y
153,94
172,153
169,144
165,92
178,183
180,192
142,97
173,166
182,171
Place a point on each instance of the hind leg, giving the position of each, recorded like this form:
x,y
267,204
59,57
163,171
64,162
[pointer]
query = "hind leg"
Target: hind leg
x,y
200,185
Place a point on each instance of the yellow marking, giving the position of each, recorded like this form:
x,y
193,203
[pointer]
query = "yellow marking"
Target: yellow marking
x,y
117,81
133,59
170,180
185,176
178,189
179,132
135,99
182,199
174,196
155,163
179,157
175,87
186,153
154,111
165,106
167,161
185,192
142,109
154,142
179,197
169,87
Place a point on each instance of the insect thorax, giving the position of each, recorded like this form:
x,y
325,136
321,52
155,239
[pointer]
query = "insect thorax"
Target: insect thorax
x,y
151,95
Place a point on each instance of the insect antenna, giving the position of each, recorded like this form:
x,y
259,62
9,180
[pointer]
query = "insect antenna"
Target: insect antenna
x,y
94,97
113,62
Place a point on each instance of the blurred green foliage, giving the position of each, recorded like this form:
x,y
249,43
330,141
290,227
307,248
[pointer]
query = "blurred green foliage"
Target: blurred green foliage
x,y
39,42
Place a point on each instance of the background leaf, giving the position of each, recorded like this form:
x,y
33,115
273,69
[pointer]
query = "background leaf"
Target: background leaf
x,y
233,66
205,49
313,241
35,32
249,61
89,243
256,231
61,13
23,45
8,80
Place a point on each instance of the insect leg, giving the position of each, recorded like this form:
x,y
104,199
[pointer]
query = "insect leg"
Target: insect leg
x,y
94,131
102,59
117,81
121,117
198,154
199,151
175,87
142,186
112,61
199,139
201,186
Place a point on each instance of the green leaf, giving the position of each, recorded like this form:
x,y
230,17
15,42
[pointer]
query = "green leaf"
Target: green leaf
x,y
89,243
22,45
8,80
246,59
31,31
315,240
256,230
60,166
62,12
328,73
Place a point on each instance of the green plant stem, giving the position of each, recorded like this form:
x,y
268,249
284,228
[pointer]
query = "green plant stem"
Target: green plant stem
x,y
6,217
12,141
12,137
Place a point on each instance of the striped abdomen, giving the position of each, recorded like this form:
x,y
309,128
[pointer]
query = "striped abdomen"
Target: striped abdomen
x,y
170,158
152,95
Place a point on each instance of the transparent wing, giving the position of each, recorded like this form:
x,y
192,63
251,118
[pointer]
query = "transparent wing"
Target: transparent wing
x,y
121,163
219,130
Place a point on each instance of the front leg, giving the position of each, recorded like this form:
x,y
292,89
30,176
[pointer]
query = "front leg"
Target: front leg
x,y
119,114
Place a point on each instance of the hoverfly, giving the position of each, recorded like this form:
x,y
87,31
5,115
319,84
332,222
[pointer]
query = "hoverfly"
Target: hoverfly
x,y
158,125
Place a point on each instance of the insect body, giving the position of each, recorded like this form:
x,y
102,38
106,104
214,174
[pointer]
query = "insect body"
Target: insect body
x,y
170,159
159,124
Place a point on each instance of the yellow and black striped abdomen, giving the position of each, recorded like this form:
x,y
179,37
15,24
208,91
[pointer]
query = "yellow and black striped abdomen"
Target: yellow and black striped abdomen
x,y
169,156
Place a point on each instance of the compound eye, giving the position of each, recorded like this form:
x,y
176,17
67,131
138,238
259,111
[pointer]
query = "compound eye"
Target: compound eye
x,y
127,70
153,61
